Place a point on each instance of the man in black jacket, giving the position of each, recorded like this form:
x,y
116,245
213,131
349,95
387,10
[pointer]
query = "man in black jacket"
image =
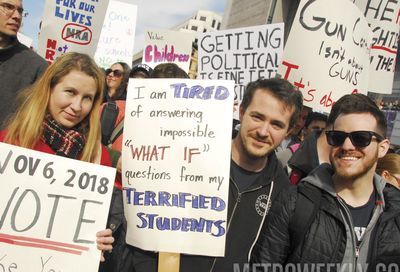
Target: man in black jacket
x,y
353,213
268,111
19,65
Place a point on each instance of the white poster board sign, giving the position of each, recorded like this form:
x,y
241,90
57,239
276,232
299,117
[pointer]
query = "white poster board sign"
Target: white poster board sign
x,y
117,37
71,26
51,208
176,171
242,54
327,52
384,19
168,46
25,40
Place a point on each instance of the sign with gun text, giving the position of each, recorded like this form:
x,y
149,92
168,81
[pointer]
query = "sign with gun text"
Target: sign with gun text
x,y
384,19
175,162
242,55
50,210
168,46
327,52
71,26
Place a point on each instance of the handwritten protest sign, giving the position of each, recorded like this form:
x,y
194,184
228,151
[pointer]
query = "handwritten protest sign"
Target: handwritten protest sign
x,y
176,172
71,26
243,54
118,34
384,19
50,210
168,46
327,52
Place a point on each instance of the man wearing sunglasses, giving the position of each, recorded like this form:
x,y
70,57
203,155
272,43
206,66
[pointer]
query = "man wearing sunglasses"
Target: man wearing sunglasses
x,y
342,216
19,65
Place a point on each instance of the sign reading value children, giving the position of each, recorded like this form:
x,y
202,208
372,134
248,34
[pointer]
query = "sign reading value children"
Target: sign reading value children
x,y
176,170
71,26
168,46
118,34
243,54
327,52
384,19
50,210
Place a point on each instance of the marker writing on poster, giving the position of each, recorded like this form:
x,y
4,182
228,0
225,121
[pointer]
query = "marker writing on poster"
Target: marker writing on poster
x,y
179,200
73,11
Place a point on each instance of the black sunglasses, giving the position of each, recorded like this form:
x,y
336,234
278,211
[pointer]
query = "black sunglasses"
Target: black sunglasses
x,y
359,138
116,73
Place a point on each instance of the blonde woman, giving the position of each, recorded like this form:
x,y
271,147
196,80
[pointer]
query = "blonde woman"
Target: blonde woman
x,y
59,114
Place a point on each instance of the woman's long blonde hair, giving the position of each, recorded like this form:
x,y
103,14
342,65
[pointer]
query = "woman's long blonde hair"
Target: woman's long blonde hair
x,y
24,128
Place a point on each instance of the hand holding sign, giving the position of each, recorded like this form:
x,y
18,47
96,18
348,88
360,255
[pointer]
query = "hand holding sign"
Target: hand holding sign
x,y
51,211
173,189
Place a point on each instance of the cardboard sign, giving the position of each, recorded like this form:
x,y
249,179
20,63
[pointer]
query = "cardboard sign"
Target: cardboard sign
x,y
50,210
71,26
242,55
176,170
384,18
327,52
168,46
118,35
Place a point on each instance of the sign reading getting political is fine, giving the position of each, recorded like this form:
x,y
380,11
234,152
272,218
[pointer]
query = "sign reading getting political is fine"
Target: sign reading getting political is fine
x,y
168,46
71,26
327,52
50,210
176,170
242,54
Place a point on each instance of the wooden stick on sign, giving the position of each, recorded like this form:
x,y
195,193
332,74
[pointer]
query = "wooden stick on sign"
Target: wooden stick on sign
x,y
168,262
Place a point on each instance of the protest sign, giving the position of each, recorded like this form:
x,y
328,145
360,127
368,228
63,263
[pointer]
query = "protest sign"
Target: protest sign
x,y
71,26
117,37
176,172
327,52
50,210
243,54
384,18
25,40
168,46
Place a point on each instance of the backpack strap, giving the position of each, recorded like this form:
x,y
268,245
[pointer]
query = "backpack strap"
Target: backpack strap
x,y
117,131
307,206
108,118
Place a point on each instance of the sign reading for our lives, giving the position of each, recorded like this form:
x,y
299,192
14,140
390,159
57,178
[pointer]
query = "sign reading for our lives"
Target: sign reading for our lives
x,y
176,170
71,26
168,46
384,19
327,52
117,37
242,55
50,210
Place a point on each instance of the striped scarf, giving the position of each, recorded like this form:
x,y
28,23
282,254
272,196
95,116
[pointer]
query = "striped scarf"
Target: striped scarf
x,y
64,142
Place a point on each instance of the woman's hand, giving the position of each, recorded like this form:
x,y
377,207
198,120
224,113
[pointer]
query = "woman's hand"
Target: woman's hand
x,y
104,242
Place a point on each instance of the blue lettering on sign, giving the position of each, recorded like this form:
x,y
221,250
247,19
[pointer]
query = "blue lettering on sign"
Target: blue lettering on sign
x,y
179,200
199,92
153,221
69,11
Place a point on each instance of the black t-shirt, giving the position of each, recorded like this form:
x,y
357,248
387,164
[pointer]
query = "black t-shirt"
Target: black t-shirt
x,y
242,177
361,216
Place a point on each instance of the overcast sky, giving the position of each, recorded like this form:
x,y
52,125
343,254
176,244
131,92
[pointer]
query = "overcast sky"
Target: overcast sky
x,y
151,14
